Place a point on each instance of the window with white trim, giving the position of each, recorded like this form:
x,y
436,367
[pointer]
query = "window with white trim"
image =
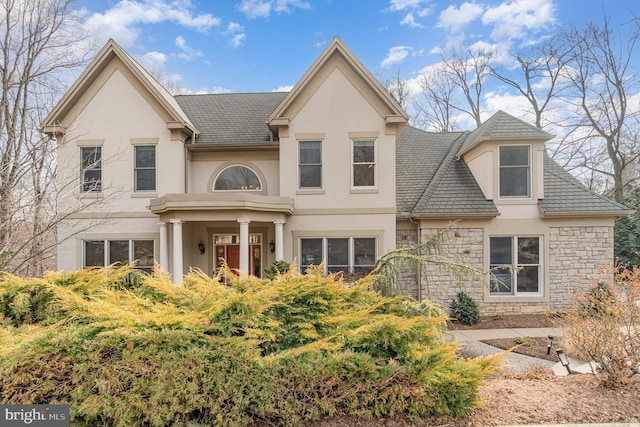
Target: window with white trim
x,y
364,164
237,178
515,171
144,168
310,164
102,253
516,265
91,169
347,254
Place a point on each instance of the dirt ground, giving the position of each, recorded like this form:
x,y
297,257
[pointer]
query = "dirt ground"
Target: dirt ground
x,y
533,397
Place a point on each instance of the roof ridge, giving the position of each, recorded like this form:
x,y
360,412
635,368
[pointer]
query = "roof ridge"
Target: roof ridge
x,y
230,93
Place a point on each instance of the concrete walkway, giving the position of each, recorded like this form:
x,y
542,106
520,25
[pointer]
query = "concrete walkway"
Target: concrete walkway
x,y
514,362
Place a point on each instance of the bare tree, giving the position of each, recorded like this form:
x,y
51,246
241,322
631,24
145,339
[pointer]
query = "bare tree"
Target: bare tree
x,y
541,70
468,69
397,88
434,108
37,40
601,82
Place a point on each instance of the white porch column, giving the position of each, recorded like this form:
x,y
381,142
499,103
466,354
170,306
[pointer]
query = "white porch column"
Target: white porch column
x,y
164,247
244,246
177,251
279,239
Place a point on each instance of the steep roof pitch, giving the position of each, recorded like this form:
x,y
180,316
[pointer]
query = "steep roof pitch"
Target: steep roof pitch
x,y
393,113
502,126
432,183
231,118
111,50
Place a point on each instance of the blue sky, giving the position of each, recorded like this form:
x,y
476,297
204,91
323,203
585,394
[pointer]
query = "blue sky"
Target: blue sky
x,y
265,45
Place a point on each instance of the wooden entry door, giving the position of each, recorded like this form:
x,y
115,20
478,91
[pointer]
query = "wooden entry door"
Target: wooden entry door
x,y
231,254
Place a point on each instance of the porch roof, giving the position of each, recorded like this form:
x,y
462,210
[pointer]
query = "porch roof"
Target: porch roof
x,y
221,202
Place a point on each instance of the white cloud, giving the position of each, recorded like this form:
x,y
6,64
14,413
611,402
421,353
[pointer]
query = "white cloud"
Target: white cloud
x,y
188,52
455,19
263,8
236,31
411,8
286,88
153,60
122,22
410,21
396,55
517,18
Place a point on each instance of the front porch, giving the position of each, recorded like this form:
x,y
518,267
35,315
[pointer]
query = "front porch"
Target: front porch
x,y
198,230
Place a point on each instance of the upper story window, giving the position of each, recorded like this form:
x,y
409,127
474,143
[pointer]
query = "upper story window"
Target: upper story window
x,y
516,265
310,163
91,169
237,178
144,169
364,164
515,171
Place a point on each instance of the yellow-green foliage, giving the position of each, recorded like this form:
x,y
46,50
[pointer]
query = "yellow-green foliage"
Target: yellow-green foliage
x,y
126,349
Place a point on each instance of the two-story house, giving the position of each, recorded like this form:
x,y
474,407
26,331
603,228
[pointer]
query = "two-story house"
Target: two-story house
x,y
329,172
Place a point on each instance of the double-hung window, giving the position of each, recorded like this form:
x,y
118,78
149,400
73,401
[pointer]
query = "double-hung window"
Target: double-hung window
x,y
515,171
364,164
310,163
101,253
346,254
144,168
516,266
91,169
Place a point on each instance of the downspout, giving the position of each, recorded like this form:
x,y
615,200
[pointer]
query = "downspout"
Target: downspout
x,y
417,223
186,162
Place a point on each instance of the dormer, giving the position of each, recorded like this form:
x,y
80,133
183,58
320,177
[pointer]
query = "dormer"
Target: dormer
x,y
506,157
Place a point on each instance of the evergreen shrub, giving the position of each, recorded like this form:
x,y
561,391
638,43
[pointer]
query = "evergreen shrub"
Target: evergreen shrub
x,y
464,309
229,351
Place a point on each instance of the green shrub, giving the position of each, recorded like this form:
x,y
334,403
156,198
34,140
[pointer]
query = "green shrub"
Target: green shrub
x,y
464,309
276,267
282,351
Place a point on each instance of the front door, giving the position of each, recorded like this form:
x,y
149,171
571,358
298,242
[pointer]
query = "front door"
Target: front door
x,y
228,248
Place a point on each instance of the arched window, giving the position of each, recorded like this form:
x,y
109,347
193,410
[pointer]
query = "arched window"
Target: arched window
x,y
237,178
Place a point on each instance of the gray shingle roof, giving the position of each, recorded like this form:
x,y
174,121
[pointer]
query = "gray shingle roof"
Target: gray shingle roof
x,y
231,117
418,158
445,186
564,194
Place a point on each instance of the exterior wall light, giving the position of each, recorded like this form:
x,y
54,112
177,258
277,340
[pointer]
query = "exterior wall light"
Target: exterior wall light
x,y
272,246
563,359
201,248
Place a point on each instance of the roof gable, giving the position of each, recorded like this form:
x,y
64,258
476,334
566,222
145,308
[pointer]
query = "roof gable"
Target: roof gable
x,y
337,55
110,52
503,127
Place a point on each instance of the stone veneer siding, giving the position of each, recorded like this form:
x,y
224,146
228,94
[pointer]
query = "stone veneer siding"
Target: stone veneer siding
x,y
578,257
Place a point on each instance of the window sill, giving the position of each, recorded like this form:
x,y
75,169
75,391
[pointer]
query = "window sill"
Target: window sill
x,y
515,298
142,195
92,195
364,191
313,191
